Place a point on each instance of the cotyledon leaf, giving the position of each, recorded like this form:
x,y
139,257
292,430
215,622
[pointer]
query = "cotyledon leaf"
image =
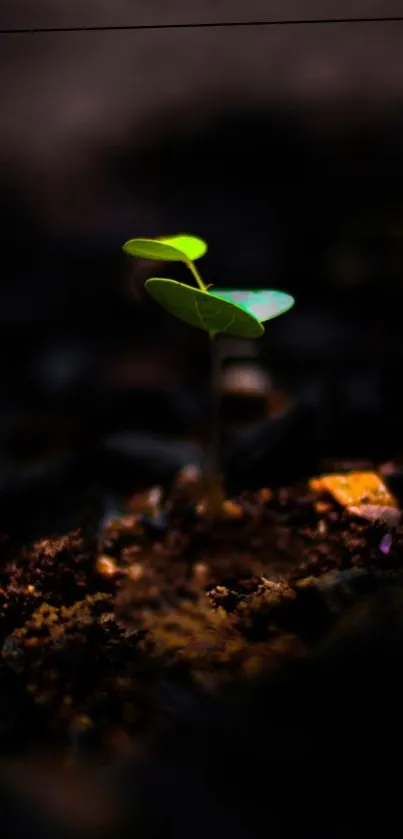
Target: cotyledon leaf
x,y
191,246
264,304
181,248
202,309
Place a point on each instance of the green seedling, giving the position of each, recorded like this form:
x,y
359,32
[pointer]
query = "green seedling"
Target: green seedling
x,y
216,311
237,313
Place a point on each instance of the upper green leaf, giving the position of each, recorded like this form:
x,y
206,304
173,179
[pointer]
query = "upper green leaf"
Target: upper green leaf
x,y
204,310
182,248
191,246
263,304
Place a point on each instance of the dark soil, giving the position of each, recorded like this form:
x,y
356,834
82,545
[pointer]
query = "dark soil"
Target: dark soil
x,y
103,640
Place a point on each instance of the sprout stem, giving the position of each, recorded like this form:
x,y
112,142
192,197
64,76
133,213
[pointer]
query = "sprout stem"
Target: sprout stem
x,y
215,495
196,275
215,394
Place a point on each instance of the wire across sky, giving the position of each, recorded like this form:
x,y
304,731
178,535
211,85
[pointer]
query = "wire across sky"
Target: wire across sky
x,y
207,25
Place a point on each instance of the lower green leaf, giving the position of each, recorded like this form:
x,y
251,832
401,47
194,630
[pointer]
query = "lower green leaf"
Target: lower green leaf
x,y
203,309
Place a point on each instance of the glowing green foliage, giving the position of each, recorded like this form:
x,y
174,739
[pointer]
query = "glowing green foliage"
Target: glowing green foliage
x,y
181,248
204,310
262,304
238,313
191,246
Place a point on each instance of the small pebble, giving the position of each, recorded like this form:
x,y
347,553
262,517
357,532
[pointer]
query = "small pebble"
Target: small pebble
x,y
387,469
322,507
265,495
390,516
272,585
81,723
190,474
106,566
124,523
232,510
200,572
135,571
306,582
155,498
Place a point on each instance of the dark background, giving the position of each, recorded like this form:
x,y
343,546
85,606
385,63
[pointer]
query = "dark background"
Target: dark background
x,y
281,146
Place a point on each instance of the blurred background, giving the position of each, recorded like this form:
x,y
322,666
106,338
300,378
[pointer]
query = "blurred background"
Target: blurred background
x,y
282,146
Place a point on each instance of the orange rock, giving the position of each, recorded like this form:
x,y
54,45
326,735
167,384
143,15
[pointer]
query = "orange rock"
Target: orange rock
x,y
355,488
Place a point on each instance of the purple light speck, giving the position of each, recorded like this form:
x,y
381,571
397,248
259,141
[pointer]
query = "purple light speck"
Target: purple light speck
x,y
386,543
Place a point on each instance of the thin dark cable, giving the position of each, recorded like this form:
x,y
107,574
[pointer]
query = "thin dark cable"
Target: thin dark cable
x,y
212,25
